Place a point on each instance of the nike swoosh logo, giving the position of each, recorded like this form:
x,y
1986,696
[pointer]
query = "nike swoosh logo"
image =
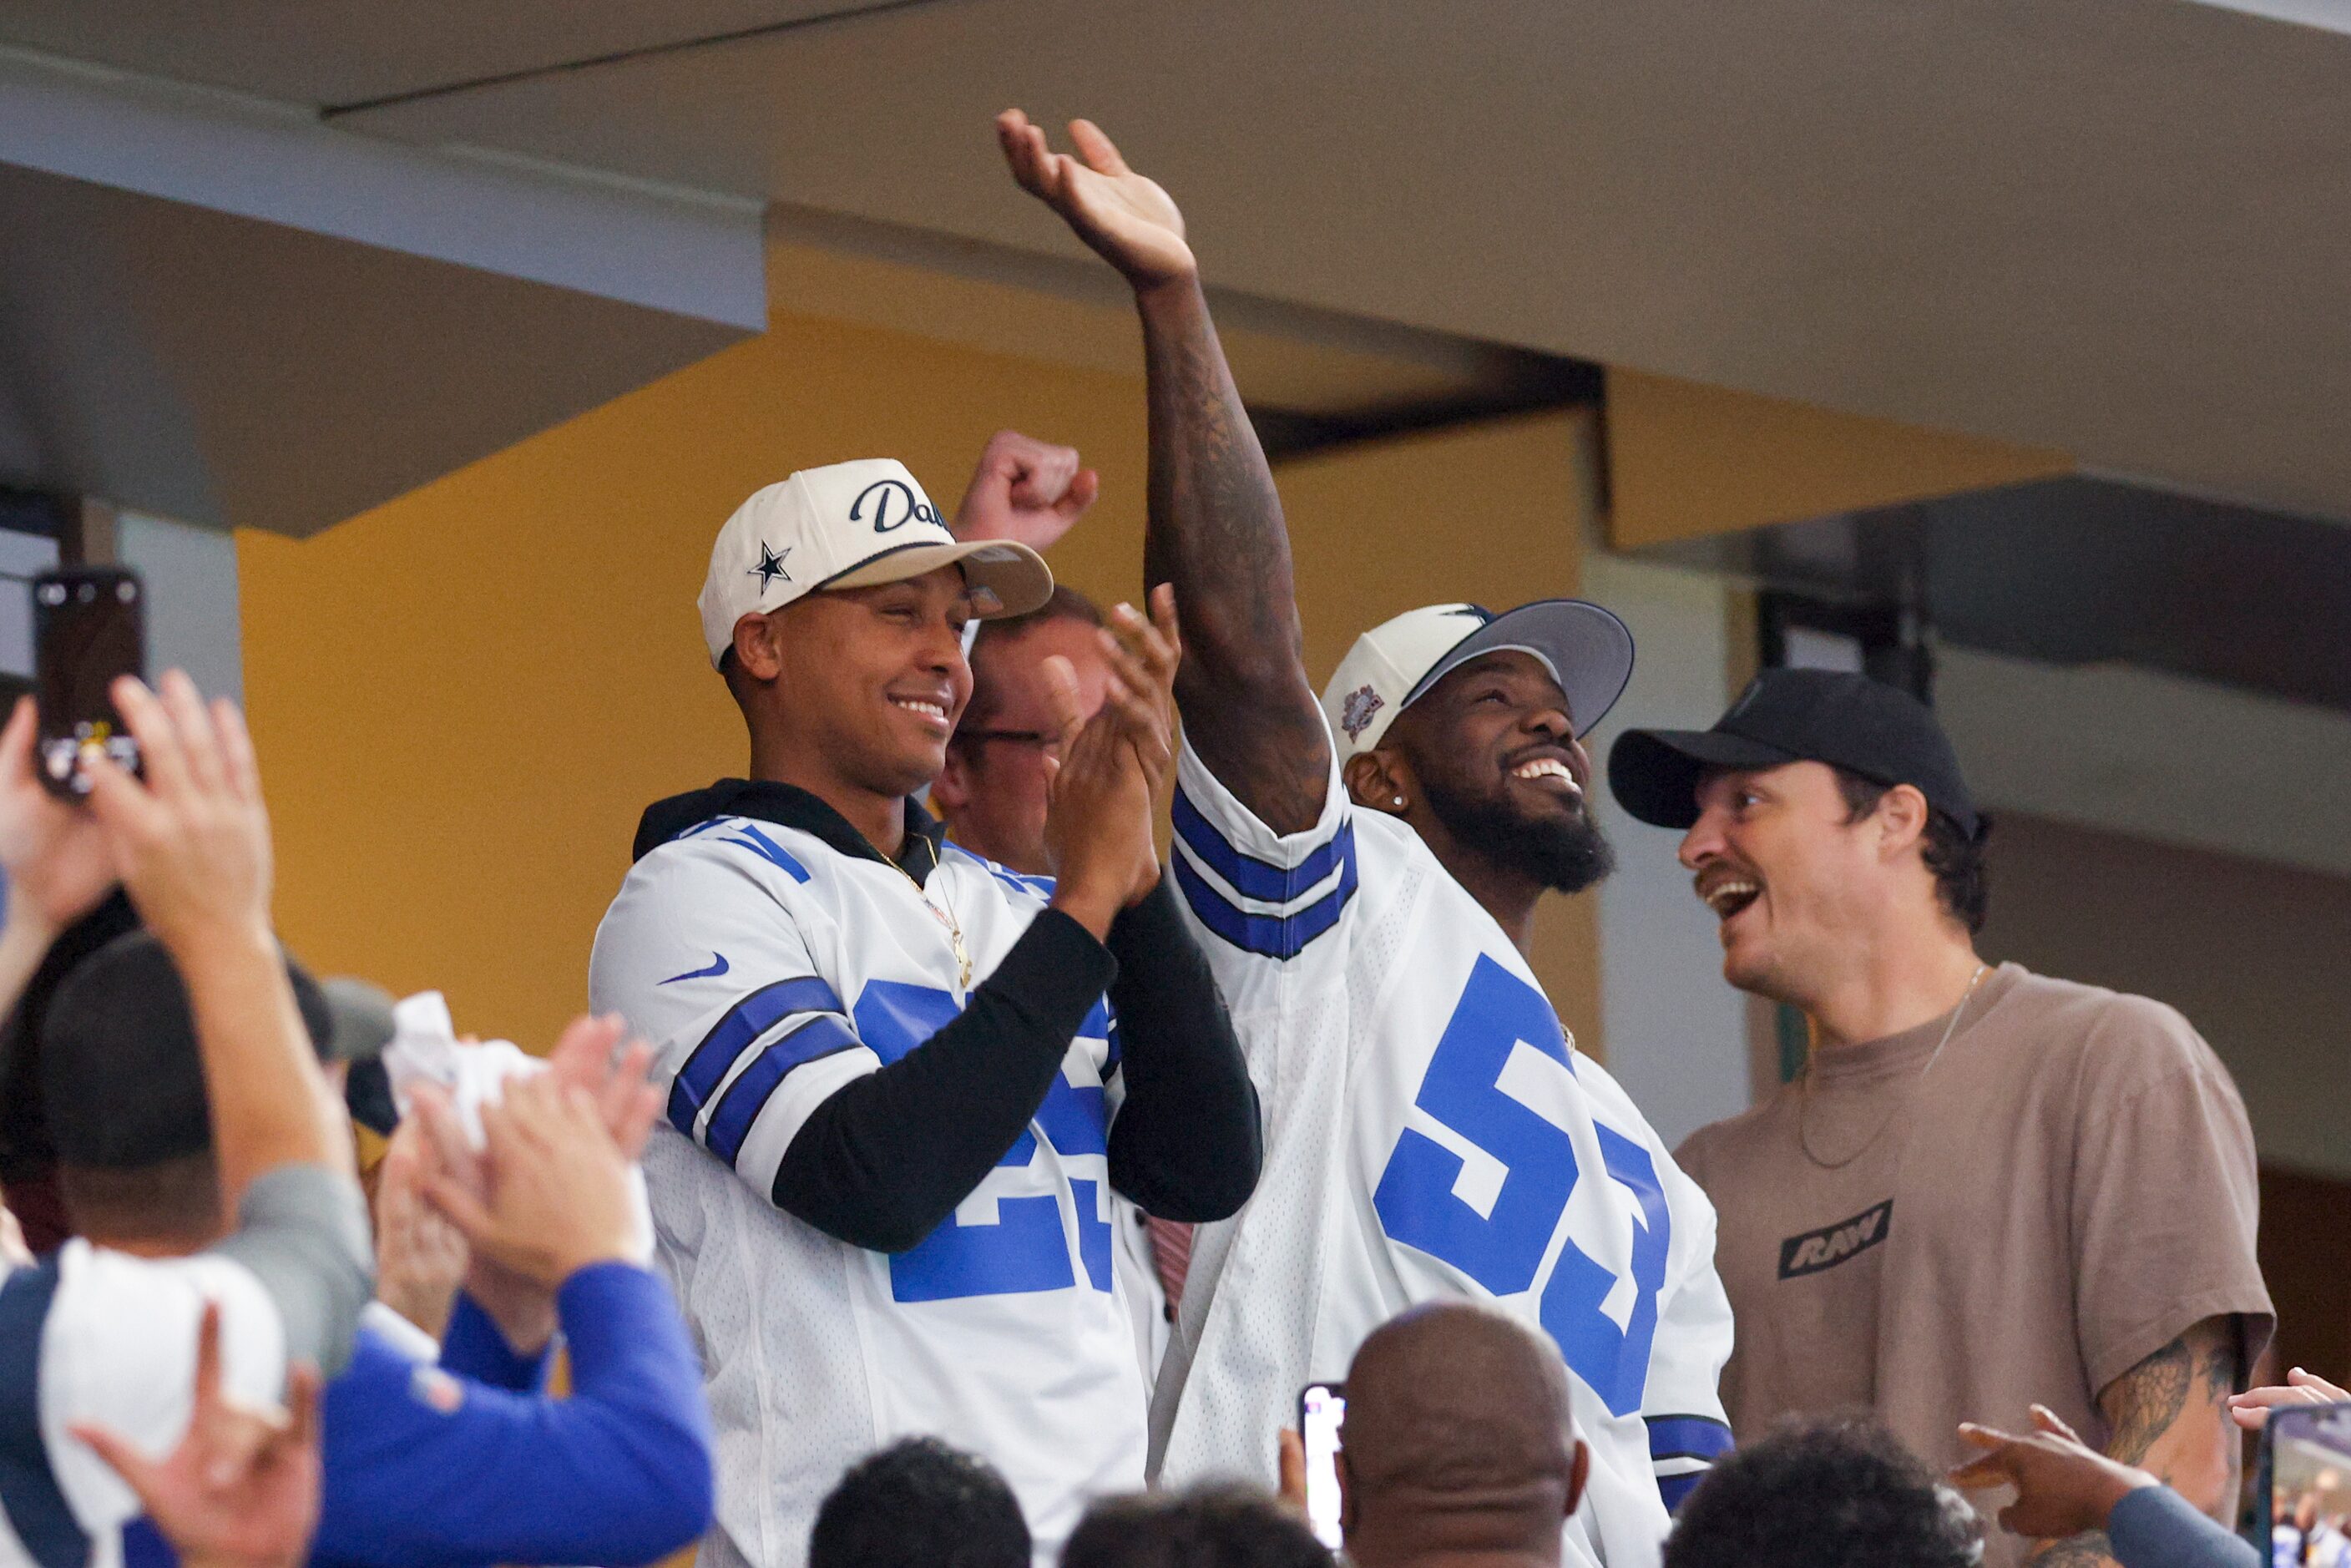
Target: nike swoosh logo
x,y
717,966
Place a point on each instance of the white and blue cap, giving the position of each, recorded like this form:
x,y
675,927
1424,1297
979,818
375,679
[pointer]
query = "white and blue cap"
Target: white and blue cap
x,y
1587,650
851,525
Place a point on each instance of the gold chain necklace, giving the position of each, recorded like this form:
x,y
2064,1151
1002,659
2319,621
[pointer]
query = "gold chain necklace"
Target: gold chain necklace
x,y
946,918
1804,1087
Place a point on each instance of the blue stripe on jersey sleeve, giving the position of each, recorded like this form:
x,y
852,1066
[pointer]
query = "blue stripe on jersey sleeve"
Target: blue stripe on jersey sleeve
x,y
753,1087
1251,877
1675,1490
1687,1438
706,1066
768,850
1270,935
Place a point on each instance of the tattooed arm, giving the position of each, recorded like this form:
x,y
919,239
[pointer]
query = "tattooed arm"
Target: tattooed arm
x,y
1216,528
2169,1415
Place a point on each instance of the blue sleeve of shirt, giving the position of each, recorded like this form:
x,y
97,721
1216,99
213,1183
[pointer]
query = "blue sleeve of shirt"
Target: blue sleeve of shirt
x,y
472,1346
424,1470
2155,1527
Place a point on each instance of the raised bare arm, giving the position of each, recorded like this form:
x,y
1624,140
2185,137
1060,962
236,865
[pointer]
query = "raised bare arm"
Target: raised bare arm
x,y
2169,1415
1216,528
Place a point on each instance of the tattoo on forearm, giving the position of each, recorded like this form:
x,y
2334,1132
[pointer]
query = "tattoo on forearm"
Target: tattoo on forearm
x,y
2089,1550
1216,531
2192,1376
2143,1403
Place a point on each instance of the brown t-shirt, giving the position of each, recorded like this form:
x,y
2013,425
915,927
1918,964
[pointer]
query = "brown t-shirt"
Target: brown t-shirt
x,y
2067,1190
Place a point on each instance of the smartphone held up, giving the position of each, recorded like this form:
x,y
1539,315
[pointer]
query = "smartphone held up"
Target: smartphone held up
x,y
88,627
2307,1455
1320,1406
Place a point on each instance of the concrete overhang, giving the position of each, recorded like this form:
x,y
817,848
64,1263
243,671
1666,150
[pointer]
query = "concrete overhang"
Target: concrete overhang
x,y
220,309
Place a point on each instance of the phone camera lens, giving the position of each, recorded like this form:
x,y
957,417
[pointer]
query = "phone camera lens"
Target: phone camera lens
x,y
53,594
126,590
87,592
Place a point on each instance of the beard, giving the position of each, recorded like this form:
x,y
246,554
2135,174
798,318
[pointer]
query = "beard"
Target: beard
x,y
1566,855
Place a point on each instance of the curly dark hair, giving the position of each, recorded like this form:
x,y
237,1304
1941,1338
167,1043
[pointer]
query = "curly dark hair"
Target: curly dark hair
x,y
1954,856
920,1503
1833,1492
1210,1527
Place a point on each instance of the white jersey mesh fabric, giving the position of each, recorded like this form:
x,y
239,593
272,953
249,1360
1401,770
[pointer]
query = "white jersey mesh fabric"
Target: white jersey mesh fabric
x,y
769,969
1431,1133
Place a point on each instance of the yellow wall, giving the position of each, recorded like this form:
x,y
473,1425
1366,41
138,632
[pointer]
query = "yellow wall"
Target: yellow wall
x,y
1493,514
1687,460
464,698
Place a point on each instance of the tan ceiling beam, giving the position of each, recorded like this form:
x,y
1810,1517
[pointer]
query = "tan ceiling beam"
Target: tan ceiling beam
x,y
1687,460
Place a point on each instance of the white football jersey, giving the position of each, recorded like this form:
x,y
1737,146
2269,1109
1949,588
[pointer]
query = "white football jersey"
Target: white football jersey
x,y
1430,1132
770,968
99,1336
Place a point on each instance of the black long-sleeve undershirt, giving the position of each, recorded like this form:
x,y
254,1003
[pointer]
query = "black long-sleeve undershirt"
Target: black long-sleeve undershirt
x,y
1188,1143
886,1159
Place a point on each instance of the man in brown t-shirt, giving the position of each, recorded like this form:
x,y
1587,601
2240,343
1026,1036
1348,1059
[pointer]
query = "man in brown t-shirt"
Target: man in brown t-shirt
x,y
1988,1188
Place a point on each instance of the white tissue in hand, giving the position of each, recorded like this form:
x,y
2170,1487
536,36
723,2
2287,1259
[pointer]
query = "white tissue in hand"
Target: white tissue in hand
x,y
425,1048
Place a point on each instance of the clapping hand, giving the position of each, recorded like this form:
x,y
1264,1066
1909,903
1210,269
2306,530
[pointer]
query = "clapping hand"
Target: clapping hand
x,y
1029,491
420,1257
592,1059
241,1490
1112,768
1128,220
559,1197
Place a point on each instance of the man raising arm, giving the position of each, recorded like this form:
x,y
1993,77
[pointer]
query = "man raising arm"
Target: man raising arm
x,y
1364,880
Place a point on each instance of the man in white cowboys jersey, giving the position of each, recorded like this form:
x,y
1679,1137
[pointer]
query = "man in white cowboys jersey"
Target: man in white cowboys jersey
x,y
902,1080
1363,873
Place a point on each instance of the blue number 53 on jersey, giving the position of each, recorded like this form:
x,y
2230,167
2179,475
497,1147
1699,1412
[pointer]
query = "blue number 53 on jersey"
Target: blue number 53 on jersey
x,y
1025,1250
1503,1247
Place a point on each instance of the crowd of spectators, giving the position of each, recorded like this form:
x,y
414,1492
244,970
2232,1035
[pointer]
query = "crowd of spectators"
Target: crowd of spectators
x,y
174,1101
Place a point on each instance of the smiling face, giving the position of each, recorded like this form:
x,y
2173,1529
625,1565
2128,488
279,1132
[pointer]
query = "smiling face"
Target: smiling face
x,y
1798,886
1493,748
860,686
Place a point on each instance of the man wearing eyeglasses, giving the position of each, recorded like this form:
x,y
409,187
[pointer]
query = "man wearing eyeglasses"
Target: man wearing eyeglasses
x,y
992,794
992,797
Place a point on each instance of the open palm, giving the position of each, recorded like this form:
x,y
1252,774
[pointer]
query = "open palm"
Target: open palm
x,y
1126,218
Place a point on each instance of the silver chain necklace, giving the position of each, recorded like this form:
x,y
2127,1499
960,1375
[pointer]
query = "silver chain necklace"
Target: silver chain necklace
x,y
1804,1086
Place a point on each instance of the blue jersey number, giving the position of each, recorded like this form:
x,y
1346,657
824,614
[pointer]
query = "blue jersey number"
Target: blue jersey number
x,y
1503,1247
1025,1248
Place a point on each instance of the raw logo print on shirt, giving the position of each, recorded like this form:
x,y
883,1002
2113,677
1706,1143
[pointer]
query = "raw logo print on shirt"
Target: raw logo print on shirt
x,y
1833,1244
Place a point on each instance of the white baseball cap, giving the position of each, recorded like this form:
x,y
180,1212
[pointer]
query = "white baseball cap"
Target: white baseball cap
x,y
1586,649
851,525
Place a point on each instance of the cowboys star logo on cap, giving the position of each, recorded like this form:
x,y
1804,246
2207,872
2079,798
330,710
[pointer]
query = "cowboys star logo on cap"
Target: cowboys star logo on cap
x,y
771,566
851,525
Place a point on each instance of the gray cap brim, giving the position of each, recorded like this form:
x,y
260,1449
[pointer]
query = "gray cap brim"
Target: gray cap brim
x,y
1655,773
363,1020
1589,650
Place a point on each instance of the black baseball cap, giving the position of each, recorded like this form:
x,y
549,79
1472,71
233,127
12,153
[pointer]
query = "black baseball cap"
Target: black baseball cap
x,y
1879,732
122,1080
